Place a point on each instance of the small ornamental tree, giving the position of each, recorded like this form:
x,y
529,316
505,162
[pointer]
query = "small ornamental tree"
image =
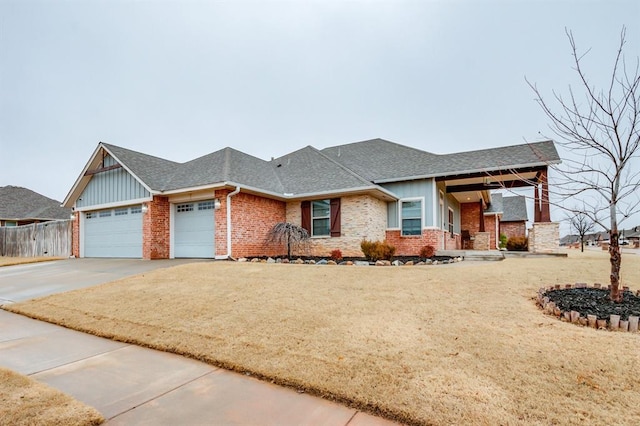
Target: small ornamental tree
x,y
600,131
582,225
292,236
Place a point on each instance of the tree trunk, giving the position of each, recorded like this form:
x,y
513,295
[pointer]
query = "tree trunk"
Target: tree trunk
x,y
616,259
582,246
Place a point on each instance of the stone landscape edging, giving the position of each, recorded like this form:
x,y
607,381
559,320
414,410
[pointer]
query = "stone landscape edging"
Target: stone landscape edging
x,y
613,323
321,262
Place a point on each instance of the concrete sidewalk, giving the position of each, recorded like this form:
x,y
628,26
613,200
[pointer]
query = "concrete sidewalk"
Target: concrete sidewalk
x,y
131,385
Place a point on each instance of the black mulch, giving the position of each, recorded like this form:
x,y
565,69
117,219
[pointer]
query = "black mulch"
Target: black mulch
x,y
595,301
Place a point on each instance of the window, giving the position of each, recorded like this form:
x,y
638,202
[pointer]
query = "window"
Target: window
x,y
90,215
136,210
206,205
122,212
180,208
105,213
11,223
320,218
442,218
451,222
411,214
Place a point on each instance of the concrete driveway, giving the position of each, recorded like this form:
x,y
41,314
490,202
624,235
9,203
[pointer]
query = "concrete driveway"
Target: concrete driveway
x,y
23,282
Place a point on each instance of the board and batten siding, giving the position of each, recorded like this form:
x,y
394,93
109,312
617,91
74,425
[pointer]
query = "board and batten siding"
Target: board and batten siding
x,y
111,187
410,189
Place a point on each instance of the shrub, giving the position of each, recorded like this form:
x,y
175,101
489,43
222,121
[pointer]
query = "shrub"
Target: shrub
x,y
503,241
517,244
336,255
427,252
376,250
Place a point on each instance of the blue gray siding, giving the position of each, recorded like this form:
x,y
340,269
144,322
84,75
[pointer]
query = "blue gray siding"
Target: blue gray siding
x,y
415,188
111,187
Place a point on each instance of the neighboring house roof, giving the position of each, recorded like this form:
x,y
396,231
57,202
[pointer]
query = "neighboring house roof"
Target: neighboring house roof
x,y
17,203
347,168
496,205
514,209
380,161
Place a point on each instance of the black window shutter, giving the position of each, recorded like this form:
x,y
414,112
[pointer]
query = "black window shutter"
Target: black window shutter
x,y
335,217
306,216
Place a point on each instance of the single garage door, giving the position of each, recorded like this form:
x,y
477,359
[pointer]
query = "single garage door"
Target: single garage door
x,y
113,232
194,229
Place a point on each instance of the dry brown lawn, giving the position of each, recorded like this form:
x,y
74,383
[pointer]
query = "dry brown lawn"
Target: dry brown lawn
x,y
449,344
10,261
26,402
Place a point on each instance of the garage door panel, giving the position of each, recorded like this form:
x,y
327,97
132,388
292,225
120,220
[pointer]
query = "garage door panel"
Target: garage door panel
x,y
194,229
113,233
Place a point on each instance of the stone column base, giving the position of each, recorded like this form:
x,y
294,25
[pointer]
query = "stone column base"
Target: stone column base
x,y
544,237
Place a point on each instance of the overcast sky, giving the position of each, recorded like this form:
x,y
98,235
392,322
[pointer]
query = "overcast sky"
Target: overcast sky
x,y
181,79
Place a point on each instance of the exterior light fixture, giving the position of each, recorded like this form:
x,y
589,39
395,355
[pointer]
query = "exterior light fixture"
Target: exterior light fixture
x,y
72,216
144,208
216,204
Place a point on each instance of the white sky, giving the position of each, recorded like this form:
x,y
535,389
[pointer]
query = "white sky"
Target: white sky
x,y
181,79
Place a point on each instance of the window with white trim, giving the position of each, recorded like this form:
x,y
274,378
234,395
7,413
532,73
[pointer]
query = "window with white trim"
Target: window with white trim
x,y
411,217
320,218
181,208
136,210
122,212
90,215
105,213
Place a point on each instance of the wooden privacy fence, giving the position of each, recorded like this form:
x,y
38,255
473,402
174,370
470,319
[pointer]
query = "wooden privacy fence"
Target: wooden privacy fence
x,y
38,239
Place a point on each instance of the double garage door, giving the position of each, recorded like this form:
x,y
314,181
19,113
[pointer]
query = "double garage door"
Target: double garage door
x,y
118,232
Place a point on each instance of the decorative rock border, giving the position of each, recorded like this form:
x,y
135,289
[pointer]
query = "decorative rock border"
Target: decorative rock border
x,y
614,323
300,261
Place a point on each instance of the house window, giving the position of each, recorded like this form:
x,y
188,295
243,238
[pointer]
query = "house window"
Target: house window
x,y
206,205
411,214
11,223
136,210
320,218
122,212
181,208
451,222
105,213
442,218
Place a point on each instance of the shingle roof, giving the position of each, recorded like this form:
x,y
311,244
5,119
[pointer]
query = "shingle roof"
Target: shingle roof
x,y
17,203
496,205
309,171
379,160
358,165
514,209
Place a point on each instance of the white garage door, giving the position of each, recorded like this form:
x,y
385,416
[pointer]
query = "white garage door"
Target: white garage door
x,y
194,229
113,233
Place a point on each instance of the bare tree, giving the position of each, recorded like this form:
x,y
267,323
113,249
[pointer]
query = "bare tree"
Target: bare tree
x,y
292,236
583,225
600,129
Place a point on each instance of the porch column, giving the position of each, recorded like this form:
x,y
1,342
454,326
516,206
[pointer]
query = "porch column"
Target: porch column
x,y
536,203
545,214
481,218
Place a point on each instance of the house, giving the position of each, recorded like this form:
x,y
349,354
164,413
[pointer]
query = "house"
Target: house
x,y
511,212
22,206
130,204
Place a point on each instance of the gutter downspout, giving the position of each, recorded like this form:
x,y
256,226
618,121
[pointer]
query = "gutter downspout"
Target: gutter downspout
x,y
229,195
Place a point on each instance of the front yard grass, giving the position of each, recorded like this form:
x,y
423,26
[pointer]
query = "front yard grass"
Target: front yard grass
x,y
10,261
26,402
450,344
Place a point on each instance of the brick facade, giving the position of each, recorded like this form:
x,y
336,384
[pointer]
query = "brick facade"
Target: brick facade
x,y
363,217
491,225
411,245
252,217
75,235
513,229
156,229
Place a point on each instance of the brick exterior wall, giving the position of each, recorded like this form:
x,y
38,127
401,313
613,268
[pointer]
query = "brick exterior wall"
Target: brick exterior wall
x,y
75,235
469,214
513,229
220,227
155,229
362,217
544,237
252,217
491,224
411,245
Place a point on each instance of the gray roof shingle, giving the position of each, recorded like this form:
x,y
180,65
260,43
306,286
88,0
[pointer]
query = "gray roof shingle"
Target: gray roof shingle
x,y
153,171
17,203
379,160
514,209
